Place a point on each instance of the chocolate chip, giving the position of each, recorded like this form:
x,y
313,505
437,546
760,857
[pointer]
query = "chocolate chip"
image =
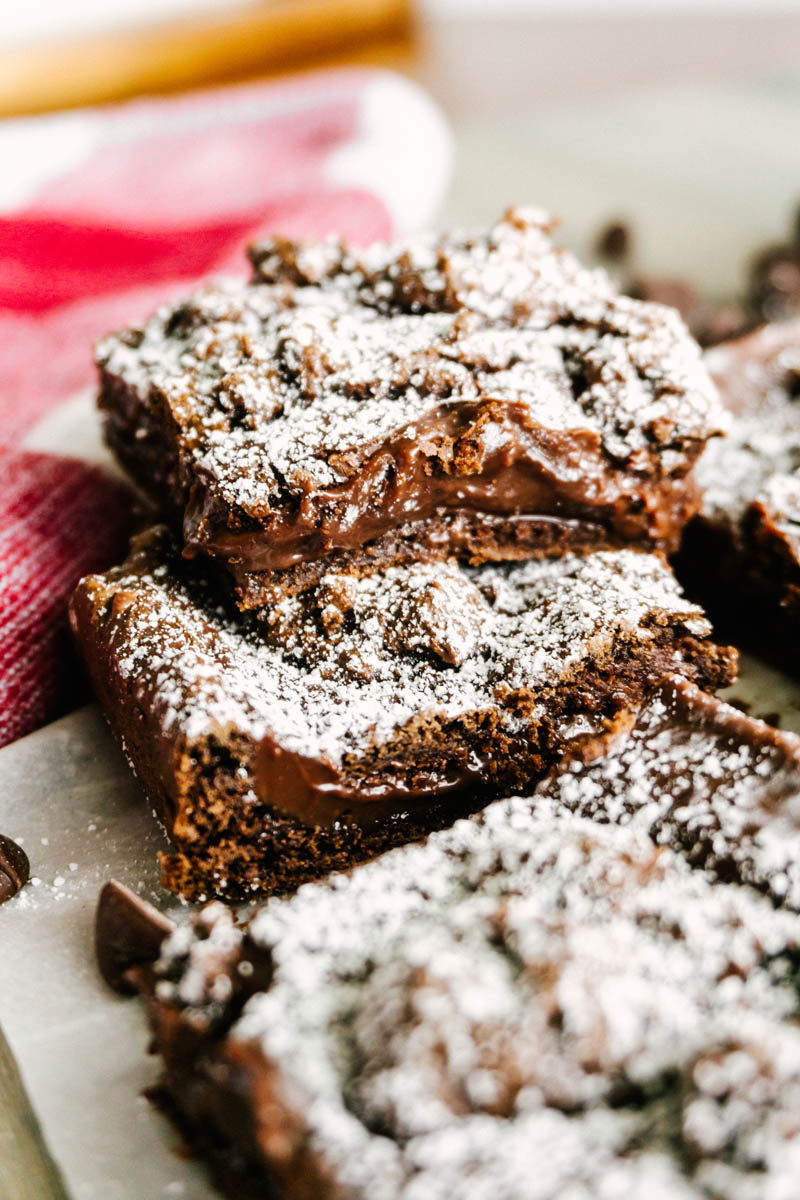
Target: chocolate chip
x,y
15,869
183,320
614,241
791,383
128,932
132,338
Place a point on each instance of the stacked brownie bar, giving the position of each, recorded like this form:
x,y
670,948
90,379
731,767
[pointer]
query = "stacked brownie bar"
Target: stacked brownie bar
x,y
418,500
368,710
484,396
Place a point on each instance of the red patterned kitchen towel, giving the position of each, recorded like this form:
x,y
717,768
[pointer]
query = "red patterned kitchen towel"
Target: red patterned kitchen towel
x,y
105,213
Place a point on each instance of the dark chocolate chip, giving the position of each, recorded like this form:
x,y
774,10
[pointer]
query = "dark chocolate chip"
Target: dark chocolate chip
x,y
184,319
614,241
127,932
15,869
132,338
791,383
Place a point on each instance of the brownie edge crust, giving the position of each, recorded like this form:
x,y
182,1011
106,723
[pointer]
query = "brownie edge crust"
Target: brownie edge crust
x,y
364,713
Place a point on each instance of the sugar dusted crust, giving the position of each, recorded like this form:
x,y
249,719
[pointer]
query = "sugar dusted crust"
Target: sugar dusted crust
x,y
367,711
342,397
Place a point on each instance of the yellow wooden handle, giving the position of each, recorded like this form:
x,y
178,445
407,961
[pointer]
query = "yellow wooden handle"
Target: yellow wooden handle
x,y
257,37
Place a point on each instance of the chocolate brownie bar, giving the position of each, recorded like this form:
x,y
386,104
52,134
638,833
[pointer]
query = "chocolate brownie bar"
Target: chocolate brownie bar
x,y
367,711
482,396
523,1008
700,777
741,554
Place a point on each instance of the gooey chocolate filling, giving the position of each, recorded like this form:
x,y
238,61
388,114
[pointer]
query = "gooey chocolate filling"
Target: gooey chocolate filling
x,y
444,465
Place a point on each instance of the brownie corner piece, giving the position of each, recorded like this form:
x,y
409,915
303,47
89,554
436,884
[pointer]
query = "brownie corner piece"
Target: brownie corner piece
x,y
474,395
363,713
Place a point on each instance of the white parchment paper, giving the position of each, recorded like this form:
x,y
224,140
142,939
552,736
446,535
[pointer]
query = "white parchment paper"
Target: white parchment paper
x,y
69,799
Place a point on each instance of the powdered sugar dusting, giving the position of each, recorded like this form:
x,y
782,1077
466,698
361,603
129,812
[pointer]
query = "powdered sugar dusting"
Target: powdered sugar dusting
x,y
697,776
527,1006
265,385
343,668
759,378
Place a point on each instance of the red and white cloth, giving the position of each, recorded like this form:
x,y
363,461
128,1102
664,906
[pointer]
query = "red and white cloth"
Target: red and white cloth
x,y
104,214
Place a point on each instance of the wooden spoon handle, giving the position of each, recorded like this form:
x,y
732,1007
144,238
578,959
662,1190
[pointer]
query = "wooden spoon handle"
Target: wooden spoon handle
x,y
240,39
